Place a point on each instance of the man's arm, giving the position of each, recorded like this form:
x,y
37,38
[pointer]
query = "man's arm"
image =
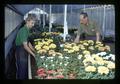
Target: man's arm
x,y
77,39
31,47
28,49
78,35
97,36
97,29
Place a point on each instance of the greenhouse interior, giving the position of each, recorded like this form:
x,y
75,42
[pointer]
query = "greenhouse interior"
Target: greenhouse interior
x,y
57,54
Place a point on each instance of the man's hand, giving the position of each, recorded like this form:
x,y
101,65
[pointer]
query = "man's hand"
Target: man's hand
x,y
76,39
28,49
97,36
33,55
31,47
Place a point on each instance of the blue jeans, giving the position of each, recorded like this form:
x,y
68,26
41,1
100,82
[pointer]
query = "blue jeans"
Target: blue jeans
x,y
21,62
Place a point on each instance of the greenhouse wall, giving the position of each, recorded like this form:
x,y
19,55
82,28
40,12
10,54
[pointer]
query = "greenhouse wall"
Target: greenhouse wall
x,y
72,19
12,23
95,14
12,20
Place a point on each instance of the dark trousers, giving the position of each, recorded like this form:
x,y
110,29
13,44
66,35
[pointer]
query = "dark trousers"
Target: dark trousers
x,y
21,63
86,37
91,38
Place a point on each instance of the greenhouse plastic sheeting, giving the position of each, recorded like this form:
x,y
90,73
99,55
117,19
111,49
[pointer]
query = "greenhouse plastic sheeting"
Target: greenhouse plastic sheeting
x,y
95,12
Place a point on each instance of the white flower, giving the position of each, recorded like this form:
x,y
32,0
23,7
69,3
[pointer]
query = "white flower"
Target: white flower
x,y
42,56
53,65
106,57
60,63
61,45
98,54
112,57
67,57
46,65
79,56
60,57
50,57
87,56
103,53
51,60
65,64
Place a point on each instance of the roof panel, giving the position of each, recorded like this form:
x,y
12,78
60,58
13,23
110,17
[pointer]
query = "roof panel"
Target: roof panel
x,y
55,7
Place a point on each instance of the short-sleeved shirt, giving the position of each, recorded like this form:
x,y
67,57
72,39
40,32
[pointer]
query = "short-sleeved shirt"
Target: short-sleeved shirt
x,y
22,36
90,29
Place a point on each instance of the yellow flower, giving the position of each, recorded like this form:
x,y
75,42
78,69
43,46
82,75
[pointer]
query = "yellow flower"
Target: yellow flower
x,y
52,45
86,44
96,46
50,52
73,44
65,50
46,43
86,60
53,54
100,45
70,51
111,65
81,41
59,54
68,45
107,47
39,43
83,48
87,56
101,48
99,58
80,45
43,34
95,56
48,33
35,42
98,42
90,69
38,47
89,59
106,62
85,41
50,40
42,51
91,48
103,70
91,41
76,48
100,62
36,39
86,52
46,47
